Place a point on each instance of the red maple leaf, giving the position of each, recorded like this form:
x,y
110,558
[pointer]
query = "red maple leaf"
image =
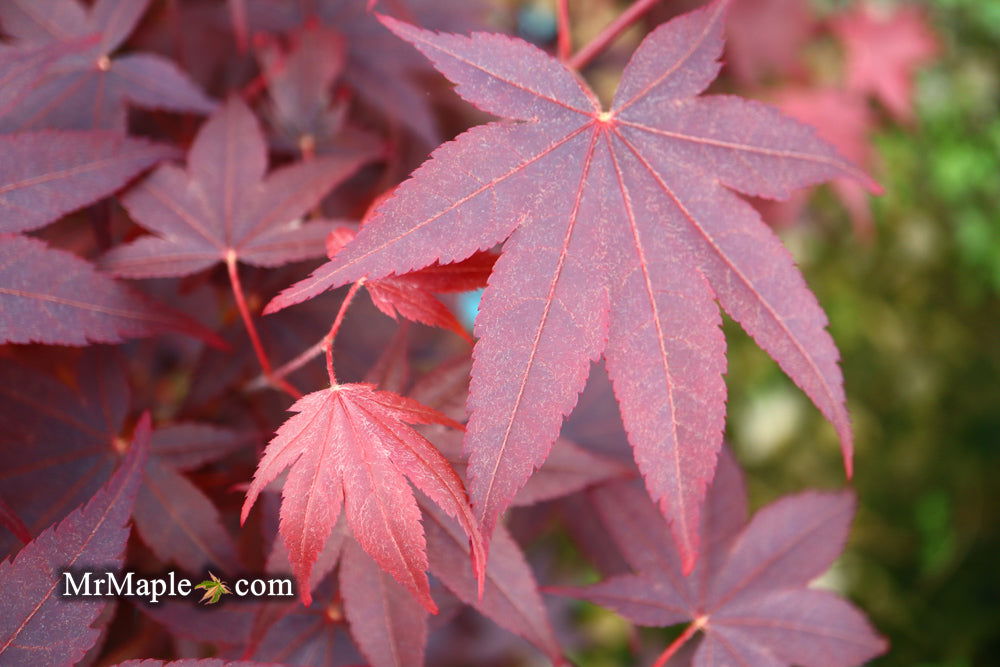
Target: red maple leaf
x,y
302,110
622,237
749,593
68,437
47,174
351,445
36,625
223,208
845,120
87,88
884,51
412,295
51,296
378,67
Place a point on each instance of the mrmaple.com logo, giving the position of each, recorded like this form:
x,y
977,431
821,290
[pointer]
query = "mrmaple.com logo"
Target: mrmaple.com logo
x,y
103,584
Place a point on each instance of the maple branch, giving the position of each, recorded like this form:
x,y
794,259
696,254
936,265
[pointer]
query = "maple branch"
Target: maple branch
x,y
328,340
675,646
258,346
610,33
564,43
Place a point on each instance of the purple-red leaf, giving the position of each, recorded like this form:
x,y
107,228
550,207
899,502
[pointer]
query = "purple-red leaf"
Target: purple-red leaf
x,y
388,624
12,522
47,174
52,296
187,445
352,445
749,592
36,627
624,228
88,89
412,295
510,594
197,662
224,206
180,524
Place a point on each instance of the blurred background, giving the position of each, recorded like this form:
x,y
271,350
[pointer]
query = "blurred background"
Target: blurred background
x,y
911,283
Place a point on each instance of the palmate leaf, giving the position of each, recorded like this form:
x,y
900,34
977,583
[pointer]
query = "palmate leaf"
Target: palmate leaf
x,y
51,296
352,446
624,231
382,70
749,591
87,88
36,626
54,435
884,51
226,205
47,174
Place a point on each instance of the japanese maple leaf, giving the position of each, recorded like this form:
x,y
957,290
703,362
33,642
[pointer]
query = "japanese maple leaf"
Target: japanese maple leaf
x,y
47,174
412,295
351,445
302,111
382,70
766,36
623,232
68,438
51,296
884,50
223,208
36,625
749,594
88,89
214,588
845,120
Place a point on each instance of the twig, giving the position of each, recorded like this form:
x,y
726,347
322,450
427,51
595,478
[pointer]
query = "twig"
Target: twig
x,y
564,43
610,33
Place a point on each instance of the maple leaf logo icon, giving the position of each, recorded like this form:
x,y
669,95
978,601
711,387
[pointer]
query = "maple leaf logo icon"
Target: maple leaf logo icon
x,y
215,588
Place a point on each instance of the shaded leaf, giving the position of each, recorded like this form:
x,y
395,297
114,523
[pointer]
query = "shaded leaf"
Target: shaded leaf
x,y
223,206
749,594
388,624
47,174
35,625
180,524
510,594
87,89
51,296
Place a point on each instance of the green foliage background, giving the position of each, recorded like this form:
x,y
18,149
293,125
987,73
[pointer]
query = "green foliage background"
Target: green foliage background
x,y
915,311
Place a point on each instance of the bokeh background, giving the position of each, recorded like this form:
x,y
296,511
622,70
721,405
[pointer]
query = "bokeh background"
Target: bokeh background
x,y
911,283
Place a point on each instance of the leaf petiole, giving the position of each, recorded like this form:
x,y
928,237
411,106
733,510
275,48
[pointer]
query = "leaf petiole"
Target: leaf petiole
x,y
258,346
328,341
675,645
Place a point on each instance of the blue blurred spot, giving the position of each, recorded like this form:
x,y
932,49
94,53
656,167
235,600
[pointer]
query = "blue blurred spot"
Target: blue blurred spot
x,y
536,24
468,307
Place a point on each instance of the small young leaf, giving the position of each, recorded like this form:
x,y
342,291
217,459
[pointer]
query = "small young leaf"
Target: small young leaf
x,y
352,445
